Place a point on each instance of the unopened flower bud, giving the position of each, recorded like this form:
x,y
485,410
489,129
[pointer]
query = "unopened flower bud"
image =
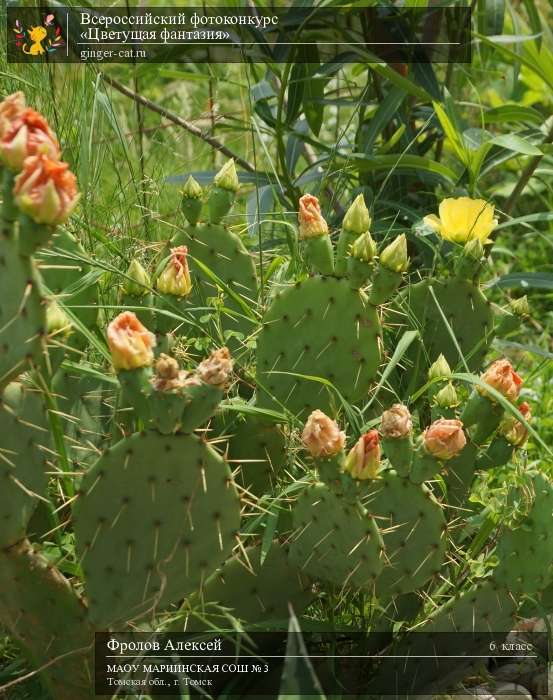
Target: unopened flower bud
x,y
394,256
447,397
322,436
396,422
192,189
474,249
167,374
137,283
357,219
363,460
175,279
131,344
513,430
502,377
444,439
46,190
439,369
520,306
217,369
310,219
57,321
363,248
226,178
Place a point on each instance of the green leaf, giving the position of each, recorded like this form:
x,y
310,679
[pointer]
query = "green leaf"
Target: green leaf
x,y
513,113
528,219
515,143
525,280
381,118
491,15
403,162
296,90
401,348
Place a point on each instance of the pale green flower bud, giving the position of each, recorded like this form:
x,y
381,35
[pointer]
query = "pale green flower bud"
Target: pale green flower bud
x,y
439,369
138,282
447,397
474,249
226,178
364,247
192,189
357,219
394,256
57,321
520,306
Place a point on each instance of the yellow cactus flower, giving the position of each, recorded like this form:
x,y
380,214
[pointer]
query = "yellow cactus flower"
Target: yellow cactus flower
x,y
463,219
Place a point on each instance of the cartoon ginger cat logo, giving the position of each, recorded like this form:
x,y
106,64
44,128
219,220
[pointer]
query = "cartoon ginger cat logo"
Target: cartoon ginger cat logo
x,y
37,36
44,38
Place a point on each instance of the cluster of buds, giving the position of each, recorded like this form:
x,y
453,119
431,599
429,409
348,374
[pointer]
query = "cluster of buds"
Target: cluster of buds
x,y
175,278
44,187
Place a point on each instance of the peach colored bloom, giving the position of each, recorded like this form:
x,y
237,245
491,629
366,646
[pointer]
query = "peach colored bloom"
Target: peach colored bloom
x,y
322,436
131,344
363,460
513,430
396,422
46,190
175,279
310,218
502,377
26,135
217,369
11,108
444,439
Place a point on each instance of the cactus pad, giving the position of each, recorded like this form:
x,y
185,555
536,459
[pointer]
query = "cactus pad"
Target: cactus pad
x,y
335,540
320,327
48,619
225,255
23,427
526,552
22,314
257,594
468,313
258,446
156,515
413,528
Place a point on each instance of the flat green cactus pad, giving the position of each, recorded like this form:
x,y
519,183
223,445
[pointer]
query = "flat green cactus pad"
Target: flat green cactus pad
x,y
526,552
23,428
319,327
257,593
335,540
225,255
156,516
413,528
71,278
43,613
468,313
258,446
22,314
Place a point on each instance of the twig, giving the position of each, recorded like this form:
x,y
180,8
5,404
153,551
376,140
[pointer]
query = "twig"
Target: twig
x,y
525,177
211,140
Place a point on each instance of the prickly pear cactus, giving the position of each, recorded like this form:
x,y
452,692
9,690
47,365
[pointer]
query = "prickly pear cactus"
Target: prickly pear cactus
x,y
414,532
221,265
43,613
321,338
251,589
22,312
156,515
24,431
